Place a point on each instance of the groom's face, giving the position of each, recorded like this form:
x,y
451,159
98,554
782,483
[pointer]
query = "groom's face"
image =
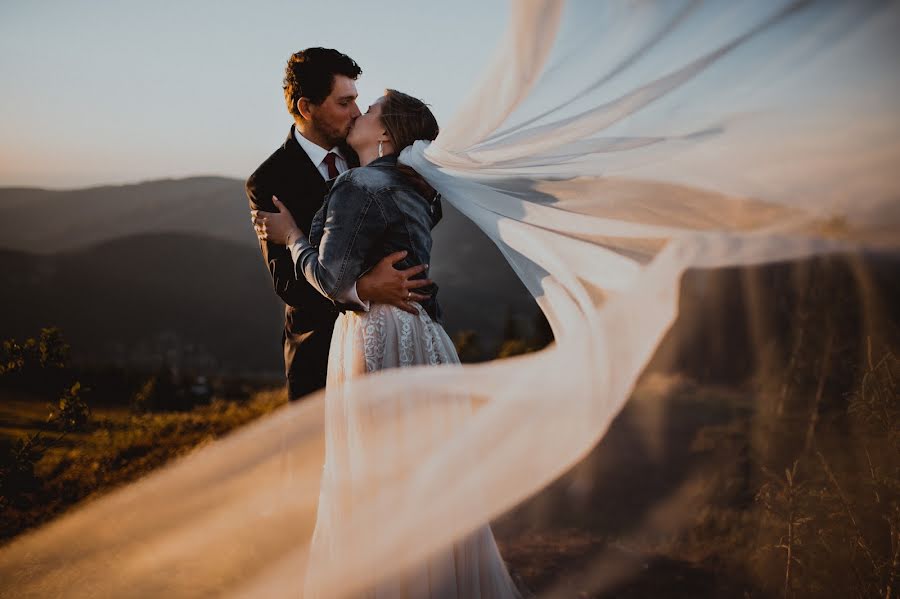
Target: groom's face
x,y
334,117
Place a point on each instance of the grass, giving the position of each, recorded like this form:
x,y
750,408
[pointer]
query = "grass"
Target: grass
x,y
120,446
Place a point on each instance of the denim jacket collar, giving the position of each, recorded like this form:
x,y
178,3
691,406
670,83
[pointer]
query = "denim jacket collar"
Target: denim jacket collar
x,y
384,161
388,160
434,204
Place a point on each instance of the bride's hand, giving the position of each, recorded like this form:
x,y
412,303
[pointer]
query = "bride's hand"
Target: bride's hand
x,y
277,227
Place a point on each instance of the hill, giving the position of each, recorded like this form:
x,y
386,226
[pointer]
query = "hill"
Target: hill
x,y
172,268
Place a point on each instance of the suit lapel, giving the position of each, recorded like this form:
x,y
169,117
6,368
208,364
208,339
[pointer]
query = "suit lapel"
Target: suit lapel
x,y
310,187
306,170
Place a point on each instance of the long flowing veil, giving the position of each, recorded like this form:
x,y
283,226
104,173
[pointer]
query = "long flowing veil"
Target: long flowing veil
x,y
609,148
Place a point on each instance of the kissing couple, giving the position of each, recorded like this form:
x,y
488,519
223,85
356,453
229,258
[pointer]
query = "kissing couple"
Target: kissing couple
x,y
345,231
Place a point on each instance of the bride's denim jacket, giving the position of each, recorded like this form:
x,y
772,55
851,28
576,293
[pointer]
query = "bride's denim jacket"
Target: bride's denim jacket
x,y
370,212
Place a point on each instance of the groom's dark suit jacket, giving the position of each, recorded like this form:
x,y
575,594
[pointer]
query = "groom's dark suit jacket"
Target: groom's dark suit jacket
x,y
290,175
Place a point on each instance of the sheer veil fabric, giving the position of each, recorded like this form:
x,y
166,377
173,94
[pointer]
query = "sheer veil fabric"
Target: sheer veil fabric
x,y
610,147
382,338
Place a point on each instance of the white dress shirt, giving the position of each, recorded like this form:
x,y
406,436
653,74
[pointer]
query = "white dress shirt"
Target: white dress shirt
x,y
317,155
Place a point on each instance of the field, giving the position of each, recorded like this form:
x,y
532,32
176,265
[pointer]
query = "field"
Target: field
x,y
684,497
120,446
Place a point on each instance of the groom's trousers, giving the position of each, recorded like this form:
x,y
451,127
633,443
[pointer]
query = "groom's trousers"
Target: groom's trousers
x,y
306,359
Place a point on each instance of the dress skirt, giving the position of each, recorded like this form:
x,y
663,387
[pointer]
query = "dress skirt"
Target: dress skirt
x,y
368,445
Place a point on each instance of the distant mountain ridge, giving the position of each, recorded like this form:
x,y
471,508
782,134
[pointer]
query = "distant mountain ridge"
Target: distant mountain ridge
x,y
65,220
172,267
135,300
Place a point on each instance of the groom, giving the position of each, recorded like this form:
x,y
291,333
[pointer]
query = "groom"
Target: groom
x,y
320,93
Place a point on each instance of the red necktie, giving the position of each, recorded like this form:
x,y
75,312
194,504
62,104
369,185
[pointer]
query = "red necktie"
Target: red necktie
x,y
330,157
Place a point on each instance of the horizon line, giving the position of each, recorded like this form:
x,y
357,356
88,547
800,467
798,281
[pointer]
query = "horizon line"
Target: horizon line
x,y
100,185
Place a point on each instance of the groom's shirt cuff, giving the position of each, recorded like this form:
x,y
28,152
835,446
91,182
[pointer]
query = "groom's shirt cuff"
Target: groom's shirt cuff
x,y
350,296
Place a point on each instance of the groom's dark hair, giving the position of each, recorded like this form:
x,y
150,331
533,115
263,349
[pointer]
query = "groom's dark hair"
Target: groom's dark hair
x,y
310,74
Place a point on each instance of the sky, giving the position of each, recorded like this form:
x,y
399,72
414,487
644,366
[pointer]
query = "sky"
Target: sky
x,y
102,92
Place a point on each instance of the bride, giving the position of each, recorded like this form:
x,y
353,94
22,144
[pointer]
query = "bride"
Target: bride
x,y
370,212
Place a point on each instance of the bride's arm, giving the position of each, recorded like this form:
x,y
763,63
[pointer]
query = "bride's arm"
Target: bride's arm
x,y
353,223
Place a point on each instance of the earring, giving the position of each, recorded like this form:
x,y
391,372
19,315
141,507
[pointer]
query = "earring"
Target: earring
x,y
380,149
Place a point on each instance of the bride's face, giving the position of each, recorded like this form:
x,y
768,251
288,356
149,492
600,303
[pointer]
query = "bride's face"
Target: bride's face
x,y
368,129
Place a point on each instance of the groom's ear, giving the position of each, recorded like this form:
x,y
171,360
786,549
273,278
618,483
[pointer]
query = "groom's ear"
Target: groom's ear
x,y
303,108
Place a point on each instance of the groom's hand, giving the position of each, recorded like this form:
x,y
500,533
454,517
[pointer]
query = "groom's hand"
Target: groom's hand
x,y
384,284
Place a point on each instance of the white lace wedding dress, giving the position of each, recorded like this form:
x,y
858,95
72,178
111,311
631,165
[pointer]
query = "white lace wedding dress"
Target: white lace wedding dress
x,y
361,457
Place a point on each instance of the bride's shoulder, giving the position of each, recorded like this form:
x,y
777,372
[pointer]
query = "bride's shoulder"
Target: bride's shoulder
x,y
364,179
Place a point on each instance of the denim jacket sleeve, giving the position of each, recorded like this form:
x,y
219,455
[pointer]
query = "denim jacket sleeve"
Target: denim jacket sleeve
x,y
354,222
